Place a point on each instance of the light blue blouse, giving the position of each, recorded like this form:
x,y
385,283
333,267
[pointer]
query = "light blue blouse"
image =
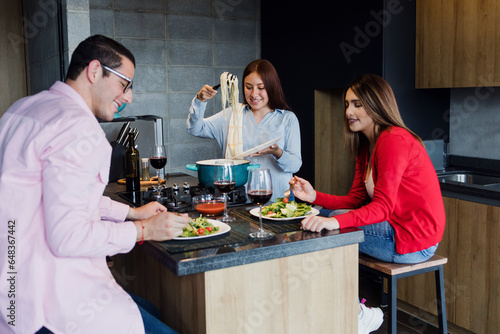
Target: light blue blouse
x,y
275,124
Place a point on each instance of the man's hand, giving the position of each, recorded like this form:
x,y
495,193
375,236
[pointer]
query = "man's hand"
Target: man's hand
x,y
145,211
162,226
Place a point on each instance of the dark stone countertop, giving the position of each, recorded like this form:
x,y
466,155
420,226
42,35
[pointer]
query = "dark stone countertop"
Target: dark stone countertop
x,y
289,240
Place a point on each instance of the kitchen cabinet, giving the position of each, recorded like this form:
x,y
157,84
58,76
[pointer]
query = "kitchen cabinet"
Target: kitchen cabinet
x,y
457,43
334,167
292,294
472,275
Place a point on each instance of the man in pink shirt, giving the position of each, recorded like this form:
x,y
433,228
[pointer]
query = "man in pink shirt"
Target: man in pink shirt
x,y
55,225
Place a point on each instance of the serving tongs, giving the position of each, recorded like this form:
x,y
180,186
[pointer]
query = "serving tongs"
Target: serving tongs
x,y
230,77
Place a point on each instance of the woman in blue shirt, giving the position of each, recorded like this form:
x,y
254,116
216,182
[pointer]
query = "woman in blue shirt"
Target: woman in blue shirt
x,y
265,116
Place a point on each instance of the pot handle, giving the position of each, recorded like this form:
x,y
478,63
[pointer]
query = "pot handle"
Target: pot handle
x,y
192,167
254,166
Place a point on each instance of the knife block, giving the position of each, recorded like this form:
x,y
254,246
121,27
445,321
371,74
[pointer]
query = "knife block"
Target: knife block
x,y
117,168
143,142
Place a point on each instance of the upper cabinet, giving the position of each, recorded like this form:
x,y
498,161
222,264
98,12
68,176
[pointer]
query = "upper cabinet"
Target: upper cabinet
x,y
457,43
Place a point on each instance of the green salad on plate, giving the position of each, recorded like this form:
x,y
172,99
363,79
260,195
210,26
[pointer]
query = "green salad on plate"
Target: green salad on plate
x,y
285,209
198,227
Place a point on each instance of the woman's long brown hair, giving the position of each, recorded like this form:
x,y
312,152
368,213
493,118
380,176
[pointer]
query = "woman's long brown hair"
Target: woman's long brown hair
x,y
378,100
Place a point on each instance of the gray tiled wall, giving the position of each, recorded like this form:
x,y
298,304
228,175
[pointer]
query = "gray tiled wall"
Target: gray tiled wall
x,y
179,46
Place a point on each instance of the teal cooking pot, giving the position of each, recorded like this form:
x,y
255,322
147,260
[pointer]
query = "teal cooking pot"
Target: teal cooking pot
x,y
205,170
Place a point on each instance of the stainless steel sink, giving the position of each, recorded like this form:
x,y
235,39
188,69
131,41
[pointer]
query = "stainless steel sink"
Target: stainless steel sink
x,y
495,186
470,178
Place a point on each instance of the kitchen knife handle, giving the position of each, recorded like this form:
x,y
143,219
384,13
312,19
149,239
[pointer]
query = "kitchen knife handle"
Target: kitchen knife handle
x,y
136,134
123,133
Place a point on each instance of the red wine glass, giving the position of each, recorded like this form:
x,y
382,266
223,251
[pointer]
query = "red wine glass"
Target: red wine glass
x,y
260,191
158,160
224,182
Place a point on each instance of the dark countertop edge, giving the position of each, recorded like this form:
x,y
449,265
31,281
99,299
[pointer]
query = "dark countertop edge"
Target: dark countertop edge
x,y
469,196
470,193
221,261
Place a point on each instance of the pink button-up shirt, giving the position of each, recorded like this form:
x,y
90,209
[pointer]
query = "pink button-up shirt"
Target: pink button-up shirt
x,y
56,228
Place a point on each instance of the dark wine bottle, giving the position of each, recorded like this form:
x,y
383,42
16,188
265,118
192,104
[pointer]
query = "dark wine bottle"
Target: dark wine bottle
x,y
132,166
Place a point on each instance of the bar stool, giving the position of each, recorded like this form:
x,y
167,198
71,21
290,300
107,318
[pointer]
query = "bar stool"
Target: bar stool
x,y
394,271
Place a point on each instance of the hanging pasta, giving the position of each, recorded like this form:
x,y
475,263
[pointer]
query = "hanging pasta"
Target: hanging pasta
x,y
230,98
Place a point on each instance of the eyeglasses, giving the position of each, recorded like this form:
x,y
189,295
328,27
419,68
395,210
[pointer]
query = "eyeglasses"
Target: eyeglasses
x,y
129,84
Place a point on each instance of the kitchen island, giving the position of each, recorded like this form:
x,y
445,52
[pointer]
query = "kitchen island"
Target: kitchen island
x,y
296,282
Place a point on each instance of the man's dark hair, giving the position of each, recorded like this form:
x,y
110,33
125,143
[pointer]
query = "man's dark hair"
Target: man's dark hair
x,y
97,47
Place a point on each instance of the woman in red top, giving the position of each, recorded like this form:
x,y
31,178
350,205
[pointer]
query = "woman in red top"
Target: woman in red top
x,y
395,197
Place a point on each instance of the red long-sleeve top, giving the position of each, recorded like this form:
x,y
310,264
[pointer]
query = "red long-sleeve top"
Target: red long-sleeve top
x,y
407,192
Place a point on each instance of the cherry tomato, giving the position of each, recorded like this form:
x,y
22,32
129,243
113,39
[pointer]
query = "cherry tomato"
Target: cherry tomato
x,y
285,200
201,231
209,228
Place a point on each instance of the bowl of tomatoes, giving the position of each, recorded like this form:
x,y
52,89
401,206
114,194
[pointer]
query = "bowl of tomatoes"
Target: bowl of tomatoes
x,y
208,204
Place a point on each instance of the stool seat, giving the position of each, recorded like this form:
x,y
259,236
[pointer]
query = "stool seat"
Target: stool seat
x,y
399,268
394,271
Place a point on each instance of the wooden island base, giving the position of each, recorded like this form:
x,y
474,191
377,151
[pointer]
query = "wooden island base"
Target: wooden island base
x,y
314,292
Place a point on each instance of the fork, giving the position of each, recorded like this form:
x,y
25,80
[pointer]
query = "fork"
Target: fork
x,y
289,195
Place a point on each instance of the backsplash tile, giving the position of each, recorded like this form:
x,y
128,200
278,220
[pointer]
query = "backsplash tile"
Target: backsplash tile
x,y
475,122
189,27
139,24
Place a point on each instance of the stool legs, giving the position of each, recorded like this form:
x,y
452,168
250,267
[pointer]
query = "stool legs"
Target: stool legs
x,y
391,300
441,301
393,304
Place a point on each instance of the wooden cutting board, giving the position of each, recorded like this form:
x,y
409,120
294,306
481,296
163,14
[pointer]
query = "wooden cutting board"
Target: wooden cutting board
x,y
152,182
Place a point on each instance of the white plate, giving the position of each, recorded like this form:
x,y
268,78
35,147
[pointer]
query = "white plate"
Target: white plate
x,y
223,228
313,212
258,148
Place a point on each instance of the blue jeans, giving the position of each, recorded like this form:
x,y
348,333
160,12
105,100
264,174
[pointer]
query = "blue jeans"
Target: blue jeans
x,y
380,244
150,317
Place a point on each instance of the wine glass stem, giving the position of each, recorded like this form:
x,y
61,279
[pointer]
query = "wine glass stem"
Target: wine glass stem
x,y
158,174
225,205
261,230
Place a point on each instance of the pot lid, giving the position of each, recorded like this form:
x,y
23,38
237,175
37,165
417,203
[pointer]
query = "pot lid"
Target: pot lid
x,y
211,162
